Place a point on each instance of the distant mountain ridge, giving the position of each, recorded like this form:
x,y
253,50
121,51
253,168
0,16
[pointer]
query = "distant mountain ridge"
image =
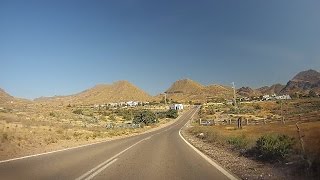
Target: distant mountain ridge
x,y
103,93
249,92
184,90
302,83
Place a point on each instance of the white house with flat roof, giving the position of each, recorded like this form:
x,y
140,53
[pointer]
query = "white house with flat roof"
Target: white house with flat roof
x,y
176,106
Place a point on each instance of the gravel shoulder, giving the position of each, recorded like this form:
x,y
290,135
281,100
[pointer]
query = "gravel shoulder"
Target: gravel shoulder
x,y
241,166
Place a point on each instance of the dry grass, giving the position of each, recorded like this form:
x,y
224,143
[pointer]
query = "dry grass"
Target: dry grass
x,y
42,128
305,112
311,131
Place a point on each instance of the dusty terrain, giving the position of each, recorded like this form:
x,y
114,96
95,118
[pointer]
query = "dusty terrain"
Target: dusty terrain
x,y
227,143
37,128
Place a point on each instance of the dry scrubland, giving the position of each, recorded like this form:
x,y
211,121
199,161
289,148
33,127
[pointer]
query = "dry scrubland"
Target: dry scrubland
x,y
36,128
265,119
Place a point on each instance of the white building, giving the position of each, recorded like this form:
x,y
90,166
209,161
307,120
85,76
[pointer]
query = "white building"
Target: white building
x,y
266,97
176,106
132,103
286,96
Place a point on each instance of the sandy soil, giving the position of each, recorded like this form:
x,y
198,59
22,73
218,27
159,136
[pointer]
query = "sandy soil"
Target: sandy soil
x,y
19,140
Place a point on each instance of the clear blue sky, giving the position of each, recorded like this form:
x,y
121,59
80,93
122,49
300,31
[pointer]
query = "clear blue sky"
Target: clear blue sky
x,y
62,47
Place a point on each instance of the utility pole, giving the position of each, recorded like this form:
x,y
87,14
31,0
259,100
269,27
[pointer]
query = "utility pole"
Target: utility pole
x,y
234,94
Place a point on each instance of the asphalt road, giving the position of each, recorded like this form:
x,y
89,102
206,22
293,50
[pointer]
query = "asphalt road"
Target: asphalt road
x,y
160,154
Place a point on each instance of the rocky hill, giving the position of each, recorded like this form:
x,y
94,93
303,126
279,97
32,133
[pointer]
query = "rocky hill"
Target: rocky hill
x,y
103,93
274,89
11,102
5,97
185,86
248,92
186,90
303,82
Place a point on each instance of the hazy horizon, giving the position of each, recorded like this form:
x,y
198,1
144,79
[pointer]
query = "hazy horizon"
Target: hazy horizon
x,y
63,48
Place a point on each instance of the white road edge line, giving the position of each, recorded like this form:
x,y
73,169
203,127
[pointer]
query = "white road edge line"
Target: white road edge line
x,y
96,169
208,159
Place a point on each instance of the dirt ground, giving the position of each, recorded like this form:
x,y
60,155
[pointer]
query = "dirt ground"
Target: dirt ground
x,y
30,132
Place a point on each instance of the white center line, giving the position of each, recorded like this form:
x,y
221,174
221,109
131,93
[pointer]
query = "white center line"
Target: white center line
x,y
108,162
99,170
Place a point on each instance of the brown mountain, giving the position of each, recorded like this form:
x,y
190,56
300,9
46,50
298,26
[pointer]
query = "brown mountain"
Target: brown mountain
x,y
188,90
8,101
274,89
185,86
103,93
5,97
303,82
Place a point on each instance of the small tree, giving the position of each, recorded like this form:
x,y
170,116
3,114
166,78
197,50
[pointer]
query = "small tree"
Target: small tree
x,y
145,117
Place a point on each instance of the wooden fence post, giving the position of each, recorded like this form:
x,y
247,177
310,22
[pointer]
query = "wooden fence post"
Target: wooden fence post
x,y
240,123
300,139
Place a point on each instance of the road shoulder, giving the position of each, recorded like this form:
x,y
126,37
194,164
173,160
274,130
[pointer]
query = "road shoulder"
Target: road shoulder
x,y
241,166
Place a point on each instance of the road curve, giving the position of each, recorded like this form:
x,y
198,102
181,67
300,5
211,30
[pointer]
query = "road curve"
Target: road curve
x,y
160,154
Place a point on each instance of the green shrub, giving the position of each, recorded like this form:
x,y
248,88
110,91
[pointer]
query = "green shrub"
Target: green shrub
x,y
238,142
161,115
172,114
274,147
147,117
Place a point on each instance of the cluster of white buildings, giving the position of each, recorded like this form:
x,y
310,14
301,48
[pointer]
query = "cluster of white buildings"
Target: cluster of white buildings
x,y
274,96
121,104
